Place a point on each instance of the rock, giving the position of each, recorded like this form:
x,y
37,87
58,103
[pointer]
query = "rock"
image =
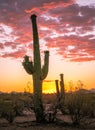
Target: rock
x,y
28,112
4,122
64,118
88,123
24,121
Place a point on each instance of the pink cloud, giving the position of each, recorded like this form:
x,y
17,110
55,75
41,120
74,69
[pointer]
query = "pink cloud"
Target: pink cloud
x,y
12,45
60,24
83,59
1,46
17,54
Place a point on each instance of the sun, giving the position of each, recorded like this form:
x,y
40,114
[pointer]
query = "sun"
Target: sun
x,y
49,87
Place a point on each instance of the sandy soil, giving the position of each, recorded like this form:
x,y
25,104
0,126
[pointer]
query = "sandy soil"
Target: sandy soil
x,y
47,127
28,123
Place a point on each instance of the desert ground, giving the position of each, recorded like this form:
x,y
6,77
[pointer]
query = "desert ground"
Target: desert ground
x,y
27,120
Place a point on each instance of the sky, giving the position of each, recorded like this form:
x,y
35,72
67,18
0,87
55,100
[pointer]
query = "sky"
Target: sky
x,y
66,28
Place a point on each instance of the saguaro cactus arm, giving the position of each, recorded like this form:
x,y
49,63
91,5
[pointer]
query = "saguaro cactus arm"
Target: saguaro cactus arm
x,y
28,65
44,70
57,88
62,85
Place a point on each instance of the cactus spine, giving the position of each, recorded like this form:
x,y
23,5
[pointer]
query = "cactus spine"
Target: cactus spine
x,y
39,73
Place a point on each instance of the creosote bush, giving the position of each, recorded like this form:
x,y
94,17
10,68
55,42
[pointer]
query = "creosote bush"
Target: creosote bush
x,y
74,104
7,110
12,105
80,105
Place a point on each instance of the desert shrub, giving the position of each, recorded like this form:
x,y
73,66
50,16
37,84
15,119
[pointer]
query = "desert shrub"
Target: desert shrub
x,y
74,104
80,105
10,109
49,98
7,110
89,105
18,107
12,104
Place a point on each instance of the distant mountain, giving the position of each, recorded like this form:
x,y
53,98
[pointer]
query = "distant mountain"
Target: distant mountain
x,y
86,91
1,92
83,91
92,90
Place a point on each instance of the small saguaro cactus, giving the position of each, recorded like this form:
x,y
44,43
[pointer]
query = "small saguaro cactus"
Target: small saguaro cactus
x,y
39,73
60,90
60,93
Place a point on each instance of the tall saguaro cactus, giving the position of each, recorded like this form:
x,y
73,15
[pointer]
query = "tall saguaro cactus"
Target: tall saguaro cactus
x,y
39,73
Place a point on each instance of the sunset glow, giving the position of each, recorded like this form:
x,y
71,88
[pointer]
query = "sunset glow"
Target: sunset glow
x,y
66,29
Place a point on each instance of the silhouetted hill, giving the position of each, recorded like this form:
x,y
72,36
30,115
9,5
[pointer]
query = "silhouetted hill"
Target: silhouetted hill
x,y
86,91
92,90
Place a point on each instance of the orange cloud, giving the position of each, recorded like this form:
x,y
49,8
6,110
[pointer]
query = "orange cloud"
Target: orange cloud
x,y
48,80
83,59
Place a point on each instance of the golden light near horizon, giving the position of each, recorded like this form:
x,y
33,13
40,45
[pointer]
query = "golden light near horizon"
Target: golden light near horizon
x,y
14,78
49,87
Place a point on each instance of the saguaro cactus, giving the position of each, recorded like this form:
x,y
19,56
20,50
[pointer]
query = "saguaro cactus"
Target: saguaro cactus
x,y
39,73
60,93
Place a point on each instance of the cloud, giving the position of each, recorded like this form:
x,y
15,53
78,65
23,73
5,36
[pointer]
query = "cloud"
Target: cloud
x,y
44,5
1,46
17,54
84,59
48,80
81,48
12,45
62,25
